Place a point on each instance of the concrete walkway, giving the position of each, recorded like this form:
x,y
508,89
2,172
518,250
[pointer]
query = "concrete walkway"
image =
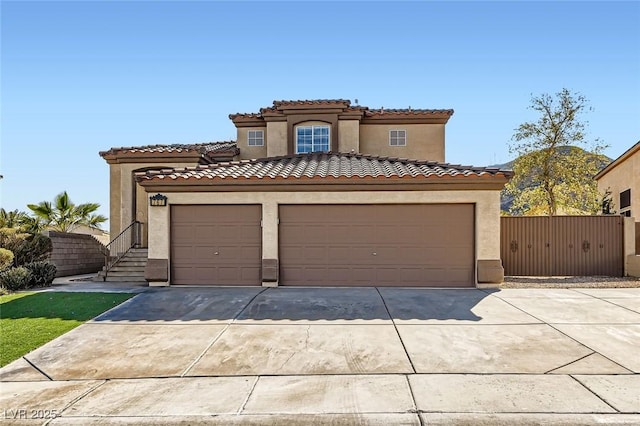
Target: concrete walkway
x,y
339,356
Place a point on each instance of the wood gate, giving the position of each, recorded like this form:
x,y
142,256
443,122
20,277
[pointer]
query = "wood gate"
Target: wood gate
x,y
562,245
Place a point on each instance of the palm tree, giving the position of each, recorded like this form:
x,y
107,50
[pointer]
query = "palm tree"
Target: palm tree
x,y
20,220
11,219
64,216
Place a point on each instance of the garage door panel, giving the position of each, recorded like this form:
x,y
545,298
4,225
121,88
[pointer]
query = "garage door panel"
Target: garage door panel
x,y
229,273
337,255
183,233
252,252
414,245
357,256
224,233
292,274
460,274
402,234
216,244
338,273
184,253
314,255
386,275
313,275
412,276
417,255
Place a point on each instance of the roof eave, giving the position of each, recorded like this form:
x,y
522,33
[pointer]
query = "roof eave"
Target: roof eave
x,y
406,119
241,120
144,157
615,163
390,184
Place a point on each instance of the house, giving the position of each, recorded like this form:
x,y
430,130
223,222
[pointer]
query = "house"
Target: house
x,y
98,234
622,179
313,193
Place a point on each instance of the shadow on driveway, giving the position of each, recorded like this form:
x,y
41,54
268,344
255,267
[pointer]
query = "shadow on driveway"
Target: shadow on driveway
x,y
296,304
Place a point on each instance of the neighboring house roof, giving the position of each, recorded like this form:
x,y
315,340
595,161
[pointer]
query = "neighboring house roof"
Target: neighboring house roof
x,y
628,153
282,108
323,168
207,150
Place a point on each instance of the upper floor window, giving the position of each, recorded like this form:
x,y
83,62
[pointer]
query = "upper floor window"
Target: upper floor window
x,y
255,138
625,199
312,139
397,137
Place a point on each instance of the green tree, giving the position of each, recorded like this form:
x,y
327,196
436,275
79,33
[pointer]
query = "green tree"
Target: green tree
x,y
552,173
20,220
11,219
64,216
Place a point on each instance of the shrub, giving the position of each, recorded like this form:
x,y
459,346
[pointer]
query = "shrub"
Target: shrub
x,y
26,247
15,278
42,273
12,238
6,259
36,247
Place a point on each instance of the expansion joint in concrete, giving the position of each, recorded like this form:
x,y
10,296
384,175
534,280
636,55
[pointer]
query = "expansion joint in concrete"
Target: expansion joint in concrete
x,y
404,347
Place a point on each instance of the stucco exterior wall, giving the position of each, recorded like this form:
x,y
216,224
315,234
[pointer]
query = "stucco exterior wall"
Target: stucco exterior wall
x,y
115,221
348,136
625,175
121,197
277,137
246,151
487,208
424,141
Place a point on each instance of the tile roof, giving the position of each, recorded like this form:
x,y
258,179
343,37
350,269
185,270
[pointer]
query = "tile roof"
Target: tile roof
x,y
317,166
344,102
207,148
278,108
406,112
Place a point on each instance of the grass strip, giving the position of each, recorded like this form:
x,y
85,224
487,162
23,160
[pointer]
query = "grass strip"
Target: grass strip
x,y
29,320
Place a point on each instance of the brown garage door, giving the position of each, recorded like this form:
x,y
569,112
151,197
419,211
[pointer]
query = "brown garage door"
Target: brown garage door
x,y
383,245
216,245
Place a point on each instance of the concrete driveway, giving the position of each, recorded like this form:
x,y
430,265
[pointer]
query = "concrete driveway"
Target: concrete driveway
x,y
340,356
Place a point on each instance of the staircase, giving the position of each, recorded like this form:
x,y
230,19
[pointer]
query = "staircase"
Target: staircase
x,y
130,268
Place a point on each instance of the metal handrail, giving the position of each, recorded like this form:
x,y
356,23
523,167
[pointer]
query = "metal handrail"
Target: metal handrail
x,y
129,238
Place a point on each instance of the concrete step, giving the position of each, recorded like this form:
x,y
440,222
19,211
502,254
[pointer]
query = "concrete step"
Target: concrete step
x,y
129,268
139,250
124,279
135,256
126,268
119,277
130,262
116,273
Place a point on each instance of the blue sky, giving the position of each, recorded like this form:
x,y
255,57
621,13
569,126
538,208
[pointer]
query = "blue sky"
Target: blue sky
x,y
81,77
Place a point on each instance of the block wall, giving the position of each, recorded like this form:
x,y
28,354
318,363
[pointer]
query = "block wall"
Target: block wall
x,y
75,254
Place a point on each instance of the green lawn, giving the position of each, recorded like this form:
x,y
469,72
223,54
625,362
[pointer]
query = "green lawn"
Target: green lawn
x,y
29,320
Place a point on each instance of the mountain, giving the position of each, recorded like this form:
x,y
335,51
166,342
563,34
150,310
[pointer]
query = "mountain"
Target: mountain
x,y
506,199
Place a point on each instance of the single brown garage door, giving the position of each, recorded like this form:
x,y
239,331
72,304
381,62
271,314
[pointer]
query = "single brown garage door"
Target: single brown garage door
x,y
216,245
382,245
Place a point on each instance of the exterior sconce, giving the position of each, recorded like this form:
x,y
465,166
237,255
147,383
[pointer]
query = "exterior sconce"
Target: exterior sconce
x,y
158,200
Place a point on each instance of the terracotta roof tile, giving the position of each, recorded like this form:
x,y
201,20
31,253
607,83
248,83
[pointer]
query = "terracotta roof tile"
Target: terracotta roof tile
x,y
324,165
406,111
203,148
375,113
344,102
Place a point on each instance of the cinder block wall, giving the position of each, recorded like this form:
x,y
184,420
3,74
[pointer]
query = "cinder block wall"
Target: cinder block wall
x,y
75,254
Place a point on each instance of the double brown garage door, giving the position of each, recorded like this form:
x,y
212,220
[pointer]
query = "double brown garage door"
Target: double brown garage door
x,y
327,245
